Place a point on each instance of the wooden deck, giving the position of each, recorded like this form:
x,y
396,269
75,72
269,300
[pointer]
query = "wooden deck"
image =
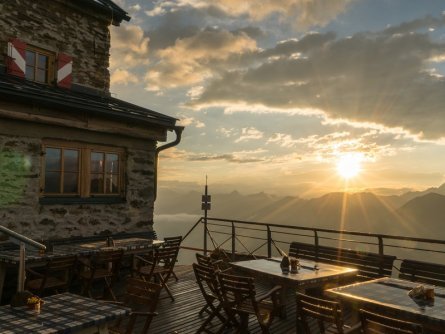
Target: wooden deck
x,y
182,315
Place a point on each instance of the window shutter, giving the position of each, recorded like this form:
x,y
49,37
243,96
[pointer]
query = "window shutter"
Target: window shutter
x,y
15,61
64,70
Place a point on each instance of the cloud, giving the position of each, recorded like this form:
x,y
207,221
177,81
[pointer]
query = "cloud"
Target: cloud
x,y
193,59
428,22
129,47
301,13
375,78
226,157
190,121
249,134
123,77
239,157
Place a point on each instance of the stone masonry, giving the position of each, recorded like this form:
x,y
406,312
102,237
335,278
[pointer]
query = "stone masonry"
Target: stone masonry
x,y
55,26
19,201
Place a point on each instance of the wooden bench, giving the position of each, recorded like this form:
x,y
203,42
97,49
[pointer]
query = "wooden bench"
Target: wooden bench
x,y
369,265
423,272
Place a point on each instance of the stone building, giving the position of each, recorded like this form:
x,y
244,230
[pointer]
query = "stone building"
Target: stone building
x,y
74,161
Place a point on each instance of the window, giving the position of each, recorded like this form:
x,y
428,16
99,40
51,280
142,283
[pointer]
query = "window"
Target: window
x,y
104,173
62,172
81,170
39,65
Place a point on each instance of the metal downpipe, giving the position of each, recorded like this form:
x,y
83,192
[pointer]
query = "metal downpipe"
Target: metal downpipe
x,y
178,130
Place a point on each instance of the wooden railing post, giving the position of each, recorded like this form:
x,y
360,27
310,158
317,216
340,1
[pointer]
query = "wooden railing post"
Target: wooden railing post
x,y
269,242
233,241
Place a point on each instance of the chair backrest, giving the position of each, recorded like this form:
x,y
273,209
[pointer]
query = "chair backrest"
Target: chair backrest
x,y
236,290
373,323
110,259
162,257
172,241
324,311
207,282
204,260
140,295
60,267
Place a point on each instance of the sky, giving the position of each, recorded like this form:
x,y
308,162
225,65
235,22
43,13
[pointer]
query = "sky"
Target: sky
x,y
290,97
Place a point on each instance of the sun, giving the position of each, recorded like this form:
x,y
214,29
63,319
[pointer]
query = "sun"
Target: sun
x,y
349,165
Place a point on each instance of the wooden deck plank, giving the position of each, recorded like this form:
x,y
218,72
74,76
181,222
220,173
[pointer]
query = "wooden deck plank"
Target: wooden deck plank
x,y
182,315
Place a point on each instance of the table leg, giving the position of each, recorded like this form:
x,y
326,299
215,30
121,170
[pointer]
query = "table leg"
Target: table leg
x,y
283,293
2,277
103,329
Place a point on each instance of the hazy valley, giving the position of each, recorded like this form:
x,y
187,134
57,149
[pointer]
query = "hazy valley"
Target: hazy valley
x,y
412,213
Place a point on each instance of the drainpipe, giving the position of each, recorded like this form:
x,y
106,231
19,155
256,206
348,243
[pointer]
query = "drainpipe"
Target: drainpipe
x,y
178,130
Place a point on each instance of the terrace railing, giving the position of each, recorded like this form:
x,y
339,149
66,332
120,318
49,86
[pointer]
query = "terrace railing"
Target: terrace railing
x,y
23,241
264,239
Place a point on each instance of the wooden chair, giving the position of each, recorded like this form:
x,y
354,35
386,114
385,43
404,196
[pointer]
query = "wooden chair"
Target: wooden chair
x,y
142,297
239,298
373,323
210,289
324,312
103,266
158,267
173,242
207,261
56,276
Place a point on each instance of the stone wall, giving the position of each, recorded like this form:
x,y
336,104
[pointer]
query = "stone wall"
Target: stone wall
x,y
21,211
58,26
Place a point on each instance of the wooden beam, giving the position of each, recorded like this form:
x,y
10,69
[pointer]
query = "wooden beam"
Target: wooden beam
x,y
81,121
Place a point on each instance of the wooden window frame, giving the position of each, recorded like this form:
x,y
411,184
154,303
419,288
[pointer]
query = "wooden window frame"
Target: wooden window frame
x,y
84,169
51,63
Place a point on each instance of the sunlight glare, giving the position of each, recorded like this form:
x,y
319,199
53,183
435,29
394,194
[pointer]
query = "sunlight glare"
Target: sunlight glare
x,y
349,165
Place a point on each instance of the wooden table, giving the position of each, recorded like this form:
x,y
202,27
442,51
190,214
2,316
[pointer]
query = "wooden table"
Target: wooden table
x,y
35,258
62,313
307,276
391,295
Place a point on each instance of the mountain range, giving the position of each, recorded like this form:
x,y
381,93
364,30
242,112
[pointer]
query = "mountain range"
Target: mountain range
x,y
420,213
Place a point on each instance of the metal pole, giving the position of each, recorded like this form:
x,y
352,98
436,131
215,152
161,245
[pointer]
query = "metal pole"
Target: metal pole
x,y
21,274
205,218
233,241
269,242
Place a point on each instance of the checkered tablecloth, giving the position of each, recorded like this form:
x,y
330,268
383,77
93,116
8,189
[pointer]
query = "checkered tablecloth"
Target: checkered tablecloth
x,y
392,294
62,313
85,249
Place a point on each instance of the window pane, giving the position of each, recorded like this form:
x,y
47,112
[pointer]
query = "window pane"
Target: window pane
x,y
42,62
52,182
40,75
112,163
97,184
52,159
97,162
112,184
29,72
70,182
30,58
71,160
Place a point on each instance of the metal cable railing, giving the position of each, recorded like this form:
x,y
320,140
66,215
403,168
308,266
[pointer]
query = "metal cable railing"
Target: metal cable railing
x,y
252,234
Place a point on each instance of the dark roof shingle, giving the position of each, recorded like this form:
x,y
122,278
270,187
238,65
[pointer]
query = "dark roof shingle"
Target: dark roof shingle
x,y
28,92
